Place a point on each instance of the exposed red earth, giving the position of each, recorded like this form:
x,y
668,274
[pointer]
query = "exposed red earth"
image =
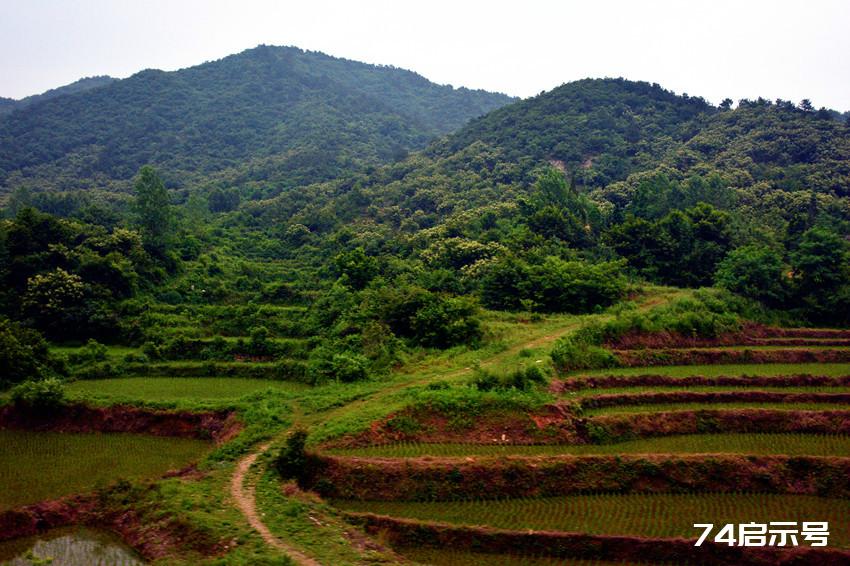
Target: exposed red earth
x,y
705,356
441,479
751,334
218,426
562,423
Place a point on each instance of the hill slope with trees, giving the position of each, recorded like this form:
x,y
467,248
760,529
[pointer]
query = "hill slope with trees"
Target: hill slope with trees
x,y
276,114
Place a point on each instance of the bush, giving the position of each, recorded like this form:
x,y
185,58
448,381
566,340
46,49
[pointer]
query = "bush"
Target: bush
x,y
521,379
568,355
40,396
292,462
754,272
23,355
553,286
92,352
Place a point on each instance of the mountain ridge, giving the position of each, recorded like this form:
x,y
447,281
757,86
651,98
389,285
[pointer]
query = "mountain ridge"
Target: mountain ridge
x,y
317,114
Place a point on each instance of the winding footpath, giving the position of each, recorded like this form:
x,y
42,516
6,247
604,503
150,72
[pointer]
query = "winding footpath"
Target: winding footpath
x,y
243,495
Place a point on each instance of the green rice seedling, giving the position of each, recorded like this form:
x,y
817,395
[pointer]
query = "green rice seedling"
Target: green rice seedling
x,y
36,466
665,515
749,443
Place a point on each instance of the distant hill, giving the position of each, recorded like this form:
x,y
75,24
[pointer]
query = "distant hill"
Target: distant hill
x,y
82,85
613,138
275,114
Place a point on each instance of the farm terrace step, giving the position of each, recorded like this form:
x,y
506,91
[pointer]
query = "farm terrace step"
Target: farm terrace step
x,y
627,426
699,356
657,380
445,479
734,443
630,549
619,399
77,417
750,333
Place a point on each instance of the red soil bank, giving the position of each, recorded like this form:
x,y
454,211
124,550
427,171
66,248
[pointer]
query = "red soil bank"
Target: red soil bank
x,y
750,334
620,427
651,380
667,357
553,424
627,549
440,479
562,424
219,425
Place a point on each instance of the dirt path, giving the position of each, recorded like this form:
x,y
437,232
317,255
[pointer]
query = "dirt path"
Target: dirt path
x,y
243,495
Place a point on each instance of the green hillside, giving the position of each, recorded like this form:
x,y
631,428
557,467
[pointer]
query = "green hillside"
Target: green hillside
x,y
276,114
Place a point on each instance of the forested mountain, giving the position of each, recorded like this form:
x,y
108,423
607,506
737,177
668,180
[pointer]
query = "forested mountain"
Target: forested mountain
x,y
82,85
7,105
631,147
274,114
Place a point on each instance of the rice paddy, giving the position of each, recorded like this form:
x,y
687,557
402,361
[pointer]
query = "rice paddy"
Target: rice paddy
x,y
728,369
787,444
706,406
664,515
37,466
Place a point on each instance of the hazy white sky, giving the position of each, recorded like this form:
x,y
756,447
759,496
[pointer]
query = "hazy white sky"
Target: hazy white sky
x,y
715,49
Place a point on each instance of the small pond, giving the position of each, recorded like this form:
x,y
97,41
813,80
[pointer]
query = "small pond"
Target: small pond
x,y
73,546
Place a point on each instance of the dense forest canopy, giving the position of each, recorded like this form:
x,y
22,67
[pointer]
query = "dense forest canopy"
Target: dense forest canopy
x,y
282,177
274,114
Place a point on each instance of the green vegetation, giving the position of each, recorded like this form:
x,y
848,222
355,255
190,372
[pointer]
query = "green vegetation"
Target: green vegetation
x,y
790,444
269,114
37,466
722,369
664,407
645,515
253,236
174,388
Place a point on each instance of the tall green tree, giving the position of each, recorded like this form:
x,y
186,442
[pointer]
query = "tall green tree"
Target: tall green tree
x,y
153,209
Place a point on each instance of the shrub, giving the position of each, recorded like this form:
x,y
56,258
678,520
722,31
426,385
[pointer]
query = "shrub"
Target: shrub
x,y
754,272
554,285
521,379
23,355
93,351
570,354
292,462
40,396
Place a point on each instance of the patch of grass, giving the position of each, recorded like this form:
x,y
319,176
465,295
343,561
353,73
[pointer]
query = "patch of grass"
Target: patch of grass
x,y
36,466
171,388
758,443
665,515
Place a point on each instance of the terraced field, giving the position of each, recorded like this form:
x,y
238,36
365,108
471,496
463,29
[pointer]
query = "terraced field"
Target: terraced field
x,y
790,444
38,466
656,516
703,413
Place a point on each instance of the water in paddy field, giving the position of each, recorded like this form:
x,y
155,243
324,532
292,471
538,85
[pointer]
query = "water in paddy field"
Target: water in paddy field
x,y
69,547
